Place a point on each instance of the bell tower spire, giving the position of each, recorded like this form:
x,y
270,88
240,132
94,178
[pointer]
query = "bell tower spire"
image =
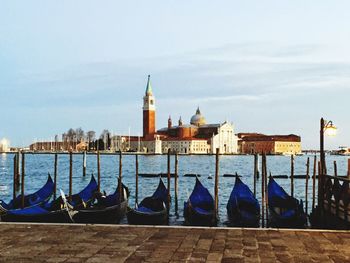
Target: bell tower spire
x,y
149,111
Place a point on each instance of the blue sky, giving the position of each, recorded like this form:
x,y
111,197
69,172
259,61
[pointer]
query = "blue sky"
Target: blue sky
x,y
267,66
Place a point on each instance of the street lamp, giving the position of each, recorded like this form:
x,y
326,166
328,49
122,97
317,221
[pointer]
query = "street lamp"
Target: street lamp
x,y
326,127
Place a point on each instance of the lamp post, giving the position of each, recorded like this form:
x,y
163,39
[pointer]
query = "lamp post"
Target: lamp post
x,y
330,130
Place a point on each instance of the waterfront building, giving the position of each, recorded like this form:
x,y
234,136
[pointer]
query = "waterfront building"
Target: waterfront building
x,y
197,137
48,146
251,143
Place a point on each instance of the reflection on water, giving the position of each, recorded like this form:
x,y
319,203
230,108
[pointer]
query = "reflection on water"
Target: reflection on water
x,y
39,165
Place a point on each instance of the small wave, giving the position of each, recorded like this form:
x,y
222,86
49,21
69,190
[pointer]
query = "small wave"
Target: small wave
x,y
3,188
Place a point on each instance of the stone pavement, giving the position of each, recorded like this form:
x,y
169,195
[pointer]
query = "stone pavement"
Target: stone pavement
x,y
89,243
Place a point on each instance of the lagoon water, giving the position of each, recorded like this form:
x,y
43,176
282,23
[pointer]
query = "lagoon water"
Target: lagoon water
x,y
39,165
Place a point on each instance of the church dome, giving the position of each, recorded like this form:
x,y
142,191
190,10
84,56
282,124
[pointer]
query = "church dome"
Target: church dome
x,y
198,119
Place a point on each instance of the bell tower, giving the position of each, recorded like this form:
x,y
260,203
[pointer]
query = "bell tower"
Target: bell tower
x,y
149,111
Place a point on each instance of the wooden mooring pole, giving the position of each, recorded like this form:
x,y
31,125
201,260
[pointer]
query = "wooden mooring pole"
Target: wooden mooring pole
x,y
55,176
136,179
314,183
176,182
84,163
292,175
349,168
319,187
17,170
256,163
168,178
70,175
266,194
216,185
23,173
335,168
98,172
307,183
14,177
120,175
262,192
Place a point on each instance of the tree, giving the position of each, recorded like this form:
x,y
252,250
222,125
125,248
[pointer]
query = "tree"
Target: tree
x,y
79,134
105,137
71,135
90,136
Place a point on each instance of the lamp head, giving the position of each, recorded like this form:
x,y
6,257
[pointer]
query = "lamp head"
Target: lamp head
x,y
330,129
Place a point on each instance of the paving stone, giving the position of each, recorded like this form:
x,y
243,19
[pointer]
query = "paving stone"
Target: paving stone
x,y
79,243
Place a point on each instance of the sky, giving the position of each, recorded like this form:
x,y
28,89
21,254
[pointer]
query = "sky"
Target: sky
x,y
273,67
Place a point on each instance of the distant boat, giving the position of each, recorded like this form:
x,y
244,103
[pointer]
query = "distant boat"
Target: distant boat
x,y
285,211
41,196
243,208
199,208
152,210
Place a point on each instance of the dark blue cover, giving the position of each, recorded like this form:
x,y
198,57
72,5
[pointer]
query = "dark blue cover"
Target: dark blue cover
x,y
242,197
290,211
87,193
161,191
113,199
200,199
33,210
40,196
278,197
154,203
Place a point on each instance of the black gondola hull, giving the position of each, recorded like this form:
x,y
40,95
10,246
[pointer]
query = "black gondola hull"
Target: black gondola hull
x,y
193,218
297,221
139,218
236,219
60,216
108,215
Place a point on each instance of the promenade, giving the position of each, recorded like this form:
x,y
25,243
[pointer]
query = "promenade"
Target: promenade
x,y
118,243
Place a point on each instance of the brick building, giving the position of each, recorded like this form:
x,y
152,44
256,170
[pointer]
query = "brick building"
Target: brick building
x,y
251,143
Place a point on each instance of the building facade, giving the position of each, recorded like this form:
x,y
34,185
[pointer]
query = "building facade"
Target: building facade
x,y
49,146
252,143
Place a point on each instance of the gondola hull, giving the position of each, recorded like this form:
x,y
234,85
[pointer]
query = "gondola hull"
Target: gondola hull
x,y
108,215
285,211
196,218
242,219
199,208
298,220
60,216
41,196
136,217
243,209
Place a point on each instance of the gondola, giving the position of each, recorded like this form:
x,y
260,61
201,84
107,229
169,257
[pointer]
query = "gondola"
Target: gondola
x,y
243,208
41,196
57,211
85,196
285,211
152,210
107,209
199,208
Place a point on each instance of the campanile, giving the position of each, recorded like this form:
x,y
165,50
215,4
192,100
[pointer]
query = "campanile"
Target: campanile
x,y
149,111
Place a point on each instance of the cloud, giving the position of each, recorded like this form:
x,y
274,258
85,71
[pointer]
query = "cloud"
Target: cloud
x,y
248,84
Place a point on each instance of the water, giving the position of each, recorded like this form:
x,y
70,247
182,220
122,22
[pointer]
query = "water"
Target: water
x,y
39,165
